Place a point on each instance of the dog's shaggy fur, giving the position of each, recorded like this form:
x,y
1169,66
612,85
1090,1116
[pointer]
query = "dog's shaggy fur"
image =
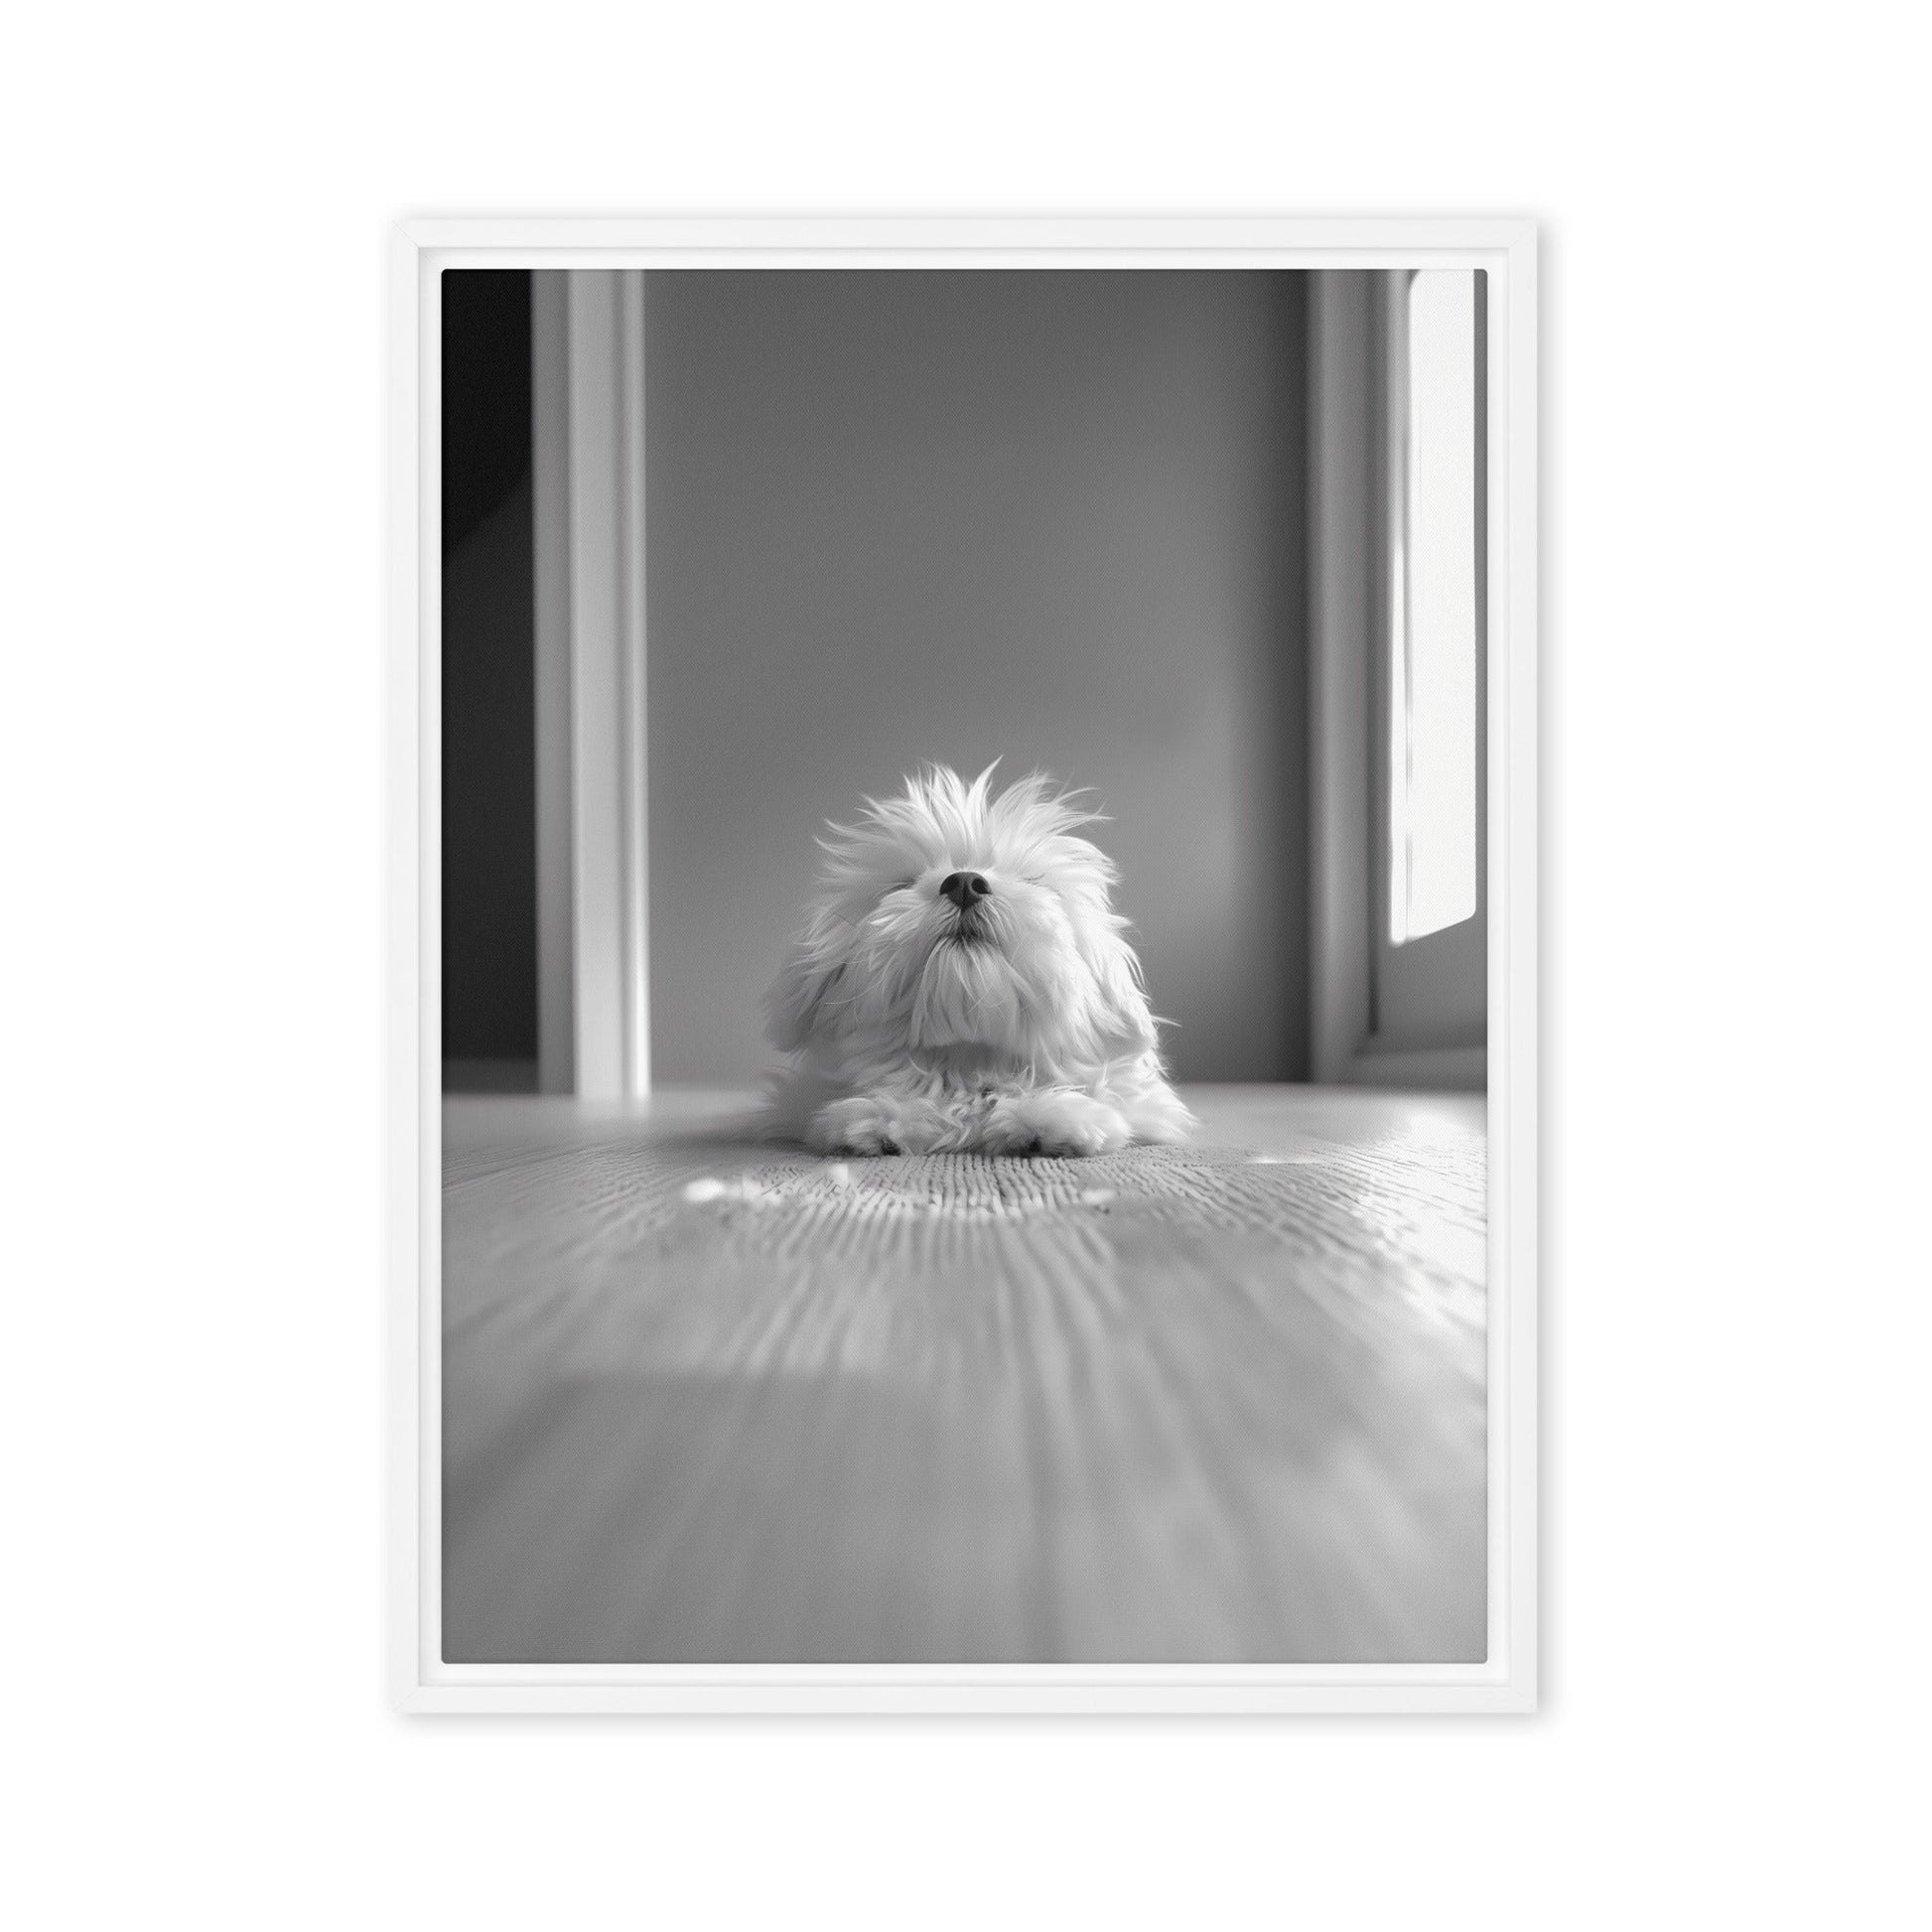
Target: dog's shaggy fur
x,y
961,984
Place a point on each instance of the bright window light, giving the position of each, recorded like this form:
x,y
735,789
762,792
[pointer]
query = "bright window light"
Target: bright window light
x,y
1433,714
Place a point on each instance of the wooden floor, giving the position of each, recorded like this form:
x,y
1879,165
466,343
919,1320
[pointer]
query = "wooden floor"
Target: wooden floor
x,y
710,1402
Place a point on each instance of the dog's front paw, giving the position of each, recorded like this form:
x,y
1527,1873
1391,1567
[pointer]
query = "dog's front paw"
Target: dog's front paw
x,y
1056,1124
871,1124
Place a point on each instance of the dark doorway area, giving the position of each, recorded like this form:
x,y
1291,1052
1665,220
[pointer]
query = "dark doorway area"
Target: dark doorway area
x,y
489,916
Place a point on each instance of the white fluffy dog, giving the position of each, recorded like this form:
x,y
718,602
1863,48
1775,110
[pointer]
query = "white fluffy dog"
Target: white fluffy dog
x,y
961,985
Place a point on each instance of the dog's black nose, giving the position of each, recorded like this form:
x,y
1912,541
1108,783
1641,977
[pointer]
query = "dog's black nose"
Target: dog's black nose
x,y
964,888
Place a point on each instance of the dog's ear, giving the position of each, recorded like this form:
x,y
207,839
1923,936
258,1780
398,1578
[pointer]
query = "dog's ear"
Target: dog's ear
x,y
1122,1021
794,1008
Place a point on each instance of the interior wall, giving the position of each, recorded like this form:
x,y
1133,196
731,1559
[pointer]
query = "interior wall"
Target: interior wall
x,y
1054,518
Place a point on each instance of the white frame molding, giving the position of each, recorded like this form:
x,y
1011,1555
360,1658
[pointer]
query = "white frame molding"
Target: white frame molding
x,y
593,853
1342,484
590,592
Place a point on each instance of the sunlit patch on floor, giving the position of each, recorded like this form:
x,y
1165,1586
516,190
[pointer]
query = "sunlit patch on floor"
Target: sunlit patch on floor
x,y
932,1195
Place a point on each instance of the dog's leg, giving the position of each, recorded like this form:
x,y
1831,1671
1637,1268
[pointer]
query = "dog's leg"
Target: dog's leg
x,y
874,1123
1053,1121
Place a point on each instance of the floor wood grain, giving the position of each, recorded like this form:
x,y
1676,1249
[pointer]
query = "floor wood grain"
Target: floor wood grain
x,y
710,1402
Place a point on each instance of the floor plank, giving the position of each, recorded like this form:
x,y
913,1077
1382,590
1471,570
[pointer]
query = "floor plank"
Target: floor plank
x,y
706,1401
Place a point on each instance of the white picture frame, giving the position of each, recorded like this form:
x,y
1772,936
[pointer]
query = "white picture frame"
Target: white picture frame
x,y
1505,249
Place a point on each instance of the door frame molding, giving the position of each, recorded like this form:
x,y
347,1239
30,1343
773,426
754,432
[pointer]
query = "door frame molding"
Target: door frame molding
x,y
587,345
1354,479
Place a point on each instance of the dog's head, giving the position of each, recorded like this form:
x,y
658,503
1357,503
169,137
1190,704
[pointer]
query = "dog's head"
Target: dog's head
x,y
955,927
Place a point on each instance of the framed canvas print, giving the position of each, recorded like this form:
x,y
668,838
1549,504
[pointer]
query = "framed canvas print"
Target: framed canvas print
x,y
964,966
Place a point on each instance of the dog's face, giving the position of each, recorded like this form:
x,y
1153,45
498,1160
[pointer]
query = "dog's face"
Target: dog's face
x,y
956,927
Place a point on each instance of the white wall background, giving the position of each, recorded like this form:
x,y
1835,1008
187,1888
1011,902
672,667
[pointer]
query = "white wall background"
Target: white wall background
x,y
1051,519
1736,1316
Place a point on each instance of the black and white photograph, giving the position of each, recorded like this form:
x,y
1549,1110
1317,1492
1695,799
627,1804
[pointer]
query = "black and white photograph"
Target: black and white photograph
x,y
961,967
964,966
